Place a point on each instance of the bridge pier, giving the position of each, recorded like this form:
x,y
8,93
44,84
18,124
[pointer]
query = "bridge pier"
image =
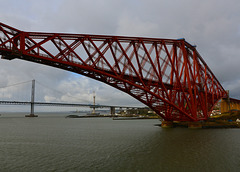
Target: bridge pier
x,y
31,115
185,124
194,125
167,124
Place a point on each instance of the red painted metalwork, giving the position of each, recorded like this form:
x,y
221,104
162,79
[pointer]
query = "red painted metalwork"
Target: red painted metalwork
x,y
167,75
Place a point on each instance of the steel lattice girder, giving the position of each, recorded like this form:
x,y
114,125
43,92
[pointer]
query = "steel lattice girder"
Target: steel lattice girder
x,y
167,75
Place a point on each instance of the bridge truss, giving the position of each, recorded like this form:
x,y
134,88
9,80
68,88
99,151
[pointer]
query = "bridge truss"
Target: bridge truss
x,y
167,75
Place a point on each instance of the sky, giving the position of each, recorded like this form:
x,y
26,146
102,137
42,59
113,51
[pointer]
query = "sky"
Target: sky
x,y
212,25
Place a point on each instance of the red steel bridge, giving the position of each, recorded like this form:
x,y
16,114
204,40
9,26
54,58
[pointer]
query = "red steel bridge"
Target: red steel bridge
x,y
168,75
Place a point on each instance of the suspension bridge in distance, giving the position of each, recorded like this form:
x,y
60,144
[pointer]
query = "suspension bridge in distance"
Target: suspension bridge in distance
x,y
111,107
34,103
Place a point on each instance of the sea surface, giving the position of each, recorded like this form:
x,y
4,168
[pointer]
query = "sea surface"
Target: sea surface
x,y
52,142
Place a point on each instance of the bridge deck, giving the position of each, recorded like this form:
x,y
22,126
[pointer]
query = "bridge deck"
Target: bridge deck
x,y
61,104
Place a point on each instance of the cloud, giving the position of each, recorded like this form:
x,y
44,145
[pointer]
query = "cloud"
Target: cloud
x,y
134,26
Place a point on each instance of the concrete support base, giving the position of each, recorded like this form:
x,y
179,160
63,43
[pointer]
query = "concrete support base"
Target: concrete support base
x,y
200,124
167,124
31,115
93,114
194,125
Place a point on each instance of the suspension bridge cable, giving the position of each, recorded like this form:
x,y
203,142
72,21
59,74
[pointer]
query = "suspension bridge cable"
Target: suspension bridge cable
x,y
60,92
15,84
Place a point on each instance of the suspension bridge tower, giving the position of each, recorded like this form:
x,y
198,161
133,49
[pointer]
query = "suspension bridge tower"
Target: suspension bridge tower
x,y
32,101
94,106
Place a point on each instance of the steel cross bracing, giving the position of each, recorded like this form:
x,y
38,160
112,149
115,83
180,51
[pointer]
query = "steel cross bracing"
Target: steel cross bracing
x,y
167,75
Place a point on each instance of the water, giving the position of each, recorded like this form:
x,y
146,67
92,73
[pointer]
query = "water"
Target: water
x,y
54,143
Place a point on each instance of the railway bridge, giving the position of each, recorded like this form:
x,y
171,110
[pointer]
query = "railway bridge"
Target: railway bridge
x,y
168,75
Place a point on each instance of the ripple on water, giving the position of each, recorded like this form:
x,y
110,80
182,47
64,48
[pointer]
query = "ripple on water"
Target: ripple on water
x,y
59,144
